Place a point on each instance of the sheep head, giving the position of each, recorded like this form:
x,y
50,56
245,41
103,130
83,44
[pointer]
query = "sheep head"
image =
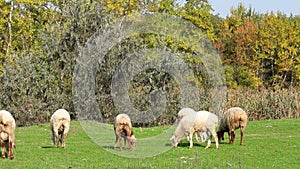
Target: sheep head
x,y
132,142
174,141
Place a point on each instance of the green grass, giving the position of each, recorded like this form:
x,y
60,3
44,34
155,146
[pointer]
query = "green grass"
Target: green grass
x,y
267,144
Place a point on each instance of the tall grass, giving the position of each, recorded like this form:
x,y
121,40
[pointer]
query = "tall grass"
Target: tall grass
x,y
266,104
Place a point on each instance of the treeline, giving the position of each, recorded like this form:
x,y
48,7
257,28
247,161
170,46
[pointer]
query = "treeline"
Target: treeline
x,y
40,42
259,50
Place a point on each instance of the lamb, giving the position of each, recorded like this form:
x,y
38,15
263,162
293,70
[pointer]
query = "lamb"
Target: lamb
x,y
7,133
231,120
123,128
60,125
201,121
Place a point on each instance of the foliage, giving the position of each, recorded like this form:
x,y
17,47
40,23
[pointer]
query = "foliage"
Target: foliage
x,y
42,77
264,44
40,41
199,13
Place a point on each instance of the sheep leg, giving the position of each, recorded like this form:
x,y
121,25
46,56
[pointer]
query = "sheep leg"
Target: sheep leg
x,y
117,138
63,143
242,134
120,140
10,153
229,136
232,137
3,149
216,140
64,136
208,142
56,139
188,138
191,140
125,142
196,136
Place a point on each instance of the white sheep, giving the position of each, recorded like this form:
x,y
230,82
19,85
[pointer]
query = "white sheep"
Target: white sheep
x,y
60,125
202,121
123,128
186,111
231,120
7,133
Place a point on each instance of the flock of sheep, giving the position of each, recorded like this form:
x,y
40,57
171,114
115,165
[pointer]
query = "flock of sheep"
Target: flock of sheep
x,y
202,124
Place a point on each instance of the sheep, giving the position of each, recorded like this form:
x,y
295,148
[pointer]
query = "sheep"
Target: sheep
x,y
60,125
7,133
231,120
183,112
201,121
123,128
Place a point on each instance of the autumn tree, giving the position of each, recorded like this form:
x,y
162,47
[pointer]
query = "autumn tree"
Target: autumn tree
x,y
278,44
246,54
237,44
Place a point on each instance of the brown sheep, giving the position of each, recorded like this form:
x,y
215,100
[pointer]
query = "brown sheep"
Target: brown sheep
x,y
7,131
60,125
123,128
231,120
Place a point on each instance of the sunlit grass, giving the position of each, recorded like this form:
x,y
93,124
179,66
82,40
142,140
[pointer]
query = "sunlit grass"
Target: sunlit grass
x,y
267,144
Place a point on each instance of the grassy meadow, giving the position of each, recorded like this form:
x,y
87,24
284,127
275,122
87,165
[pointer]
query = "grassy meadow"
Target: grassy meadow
x,y
267,144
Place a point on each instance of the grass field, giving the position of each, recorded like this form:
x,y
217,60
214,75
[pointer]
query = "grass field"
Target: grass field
x,y
267,144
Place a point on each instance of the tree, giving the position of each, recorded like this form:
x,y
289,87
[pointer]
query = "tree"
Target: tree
x,y
246,52
237,43
278,48
121,8
199,12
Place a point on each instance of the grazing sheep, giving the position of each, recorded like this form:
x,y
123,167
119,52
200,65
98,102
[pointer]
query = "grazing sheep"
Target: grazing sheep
x,y
60,125
123,128
7,133
183,112
202,121
231,120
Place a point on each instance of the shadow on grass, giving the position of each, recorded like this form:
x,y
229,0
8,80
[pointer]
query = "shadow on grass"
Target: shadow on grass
x,y
47,147
197,144
224,143
168,145
109,147
188,144
117,148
